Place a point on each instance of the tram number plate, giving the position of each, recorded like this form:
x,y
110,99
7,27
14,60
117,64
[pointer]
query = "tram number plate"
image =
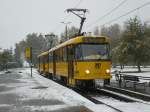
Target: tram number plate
x,y
97,65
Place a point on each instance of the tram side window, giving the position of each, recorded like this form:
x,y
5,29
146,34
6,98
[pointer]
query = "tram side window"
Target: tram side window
x,y
61,54
50,57
78,53
56,55
64,54
71,52
43,59
47,58
39,60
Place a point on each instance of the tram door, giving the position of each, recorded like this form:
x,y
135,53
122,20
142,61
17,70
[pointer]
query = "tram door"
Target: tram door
x,y
70,58
43,63
54,65
39,64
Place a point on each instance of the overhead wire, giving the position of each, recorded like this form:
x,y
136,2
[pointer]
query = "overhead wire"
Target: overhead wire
x,y
107,14
78,4
127,13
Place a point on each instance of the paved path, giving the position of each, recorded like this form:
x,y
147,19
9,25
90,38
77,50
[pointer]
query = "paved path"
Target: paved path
x,y
21,93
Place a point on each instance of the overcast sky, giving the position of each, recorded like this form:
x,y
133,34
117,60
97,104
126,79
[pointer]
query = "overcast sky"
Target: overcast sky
x,y
20,17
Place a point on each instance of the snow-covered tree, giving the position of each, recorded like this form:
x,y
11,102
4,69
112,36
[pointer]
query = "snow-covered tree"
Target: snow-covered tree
x,y
114,33
134,42
70,33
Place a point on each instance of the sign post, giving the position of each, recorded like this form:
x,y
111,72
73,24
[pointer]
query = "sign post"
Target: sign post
x,y
28,55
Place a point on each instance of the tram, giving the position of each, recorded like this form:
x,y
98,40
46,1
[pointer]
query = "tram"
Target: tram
x,y
78,61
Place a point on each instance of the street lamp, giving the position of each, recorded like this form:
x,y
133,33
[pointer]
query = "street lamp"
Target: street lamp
x,y
66,23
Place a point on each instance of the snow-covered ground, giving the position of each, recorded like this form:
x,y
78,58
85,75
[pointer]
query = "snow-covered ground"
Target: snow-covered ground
x,y
71,98
125,107
66,95
129,70
21,92
59,94
134,71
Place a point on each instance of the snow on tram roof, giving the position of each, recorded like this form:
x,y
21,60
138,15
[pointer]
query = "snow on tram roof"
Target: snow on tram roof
x,y
44,53
77,40
80,39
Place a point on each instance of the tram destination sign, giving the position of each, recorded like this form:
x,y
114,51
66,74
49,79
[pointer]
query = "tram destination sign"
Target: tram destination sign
x,y
94,40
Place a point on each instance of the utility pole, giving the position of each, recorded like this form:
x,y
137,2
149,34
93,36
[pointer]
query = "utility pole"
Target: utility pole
x,y
66,27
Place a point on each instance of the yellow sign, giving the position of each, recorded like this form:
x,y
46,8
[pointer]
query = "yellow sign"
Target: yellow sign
x,y
28,52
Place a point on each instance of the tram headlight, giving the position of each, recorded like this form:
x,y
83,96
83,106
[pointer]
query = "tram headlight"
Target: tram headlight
x,y
107,71
87,71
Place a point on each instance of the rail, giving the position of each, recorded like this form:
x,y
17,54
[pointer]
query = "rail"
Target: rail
x,y
94,100
137,95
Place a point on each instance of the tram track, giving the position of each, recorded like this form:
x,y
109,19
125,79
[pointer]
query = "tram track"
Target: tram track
x,y
110,106
115,95
135,96
94,94
96,98
98,92
130,93
87,94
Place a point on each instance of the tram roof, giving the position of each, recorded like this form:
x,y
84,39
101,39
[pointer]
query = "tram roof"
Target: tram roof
x,y
44,53
77,40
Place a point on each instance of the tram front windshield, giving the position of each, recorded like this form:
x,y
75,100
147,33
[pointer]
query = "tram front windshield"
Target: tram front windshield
x,y
92,52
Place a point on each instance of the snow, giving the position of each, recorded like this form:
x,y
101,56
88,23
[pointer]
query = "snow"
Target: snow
x,y
101,108
132,107
54,93
124,106
133,71
62,93
134,92
138,100
71,98
107,99
65,96
129,70
26,64
46,108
